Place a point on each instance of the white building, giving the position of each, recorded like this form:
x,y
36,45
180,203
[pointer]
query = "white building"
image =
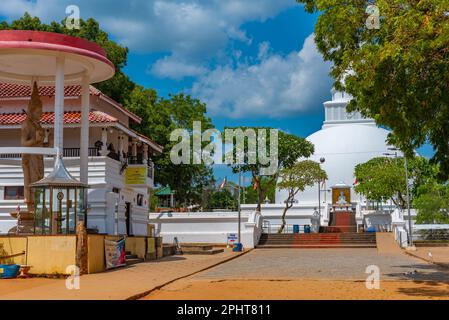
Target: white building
x,y
115,207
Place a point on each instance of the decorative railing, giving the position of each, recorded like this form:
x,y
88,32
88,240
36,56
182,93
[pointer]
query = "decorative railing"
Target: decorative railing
x,y
75,152
67,153
431,233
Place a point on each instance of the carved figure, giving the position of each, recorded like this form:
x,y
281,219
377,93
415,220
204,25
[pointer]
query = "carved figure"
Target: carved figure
x,y
33,136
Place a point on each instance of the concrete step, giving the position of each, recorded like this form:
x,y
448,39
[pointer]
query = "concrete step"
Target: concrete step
x,y
131,261
318,240
202,252
317,246
185,247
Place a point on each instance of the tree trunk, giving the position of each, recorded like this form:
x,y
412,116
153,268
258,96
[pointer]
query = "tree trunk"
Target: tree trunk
x,y
288,205
81,248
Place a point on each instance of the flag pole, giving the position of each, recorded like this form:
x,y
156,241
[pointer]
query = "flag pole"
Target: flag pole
x,y
240,207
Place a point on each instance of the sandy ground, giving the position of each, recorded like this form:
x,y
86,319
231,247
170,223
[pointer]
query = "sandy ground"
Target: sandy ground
x,y
118,284
290,274
439,255
299,290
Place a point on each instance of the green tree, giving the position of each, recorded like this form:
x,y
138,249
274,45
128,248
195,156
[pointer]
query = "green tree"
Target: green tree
x,y
290,149
432,204
251,195
295,179
382,179
120,86
398,74
160,116
223,199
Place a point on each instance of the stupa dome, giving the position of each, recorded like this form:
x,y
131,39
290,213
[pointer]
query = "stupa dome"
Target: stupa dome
x,y
345,141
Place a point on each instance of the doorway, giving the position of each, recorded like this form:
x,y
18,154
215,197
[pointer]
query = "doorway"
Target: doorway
x,y
128,218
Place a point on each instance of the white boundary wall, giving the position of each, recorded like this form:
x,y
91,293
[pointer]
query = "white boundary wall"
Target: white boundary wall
x,y
207,227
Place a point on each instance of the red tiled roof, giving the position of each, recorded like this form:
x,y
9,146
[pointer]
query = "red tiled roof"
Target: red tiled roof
x,y
11,91
8,119
8,90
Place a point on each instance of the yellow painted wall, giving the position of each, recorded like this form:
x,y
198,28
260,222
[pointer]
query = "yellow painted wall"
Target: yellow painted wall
x,y
95,256
151,248
137,246
52,254
11,246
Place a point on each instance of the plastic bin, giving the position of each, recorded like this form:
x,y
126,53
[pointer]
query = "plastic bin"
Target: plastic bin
x,y
9,271
295,228
307,229
238,247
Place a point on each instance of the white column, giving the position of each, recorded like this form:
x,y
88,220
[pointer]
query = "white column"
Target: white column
x,y
104,140
84,135
59,106
145,154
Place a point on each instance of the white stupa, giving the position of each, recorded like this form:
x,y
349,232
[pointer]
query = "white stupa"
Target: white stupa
x,y
345,140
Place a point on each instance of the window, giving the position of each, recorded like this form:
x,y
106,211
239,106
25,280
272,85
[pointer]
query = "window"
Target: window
x,y
14,193
140,200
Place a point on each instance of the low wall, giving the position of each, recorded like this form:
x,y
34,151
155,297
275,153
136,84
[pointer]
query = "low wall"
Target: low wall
x,y
137,246
207,227
13,249
95,253
51,254
48,255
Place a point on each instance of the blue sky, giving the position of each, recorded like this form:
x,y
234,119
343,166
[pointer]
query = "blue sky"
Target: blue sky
x,y
253,62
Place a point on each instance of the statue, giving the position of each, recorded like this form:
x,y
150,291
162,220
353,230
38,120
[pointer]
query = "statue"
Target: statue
x,y
33,136
342,199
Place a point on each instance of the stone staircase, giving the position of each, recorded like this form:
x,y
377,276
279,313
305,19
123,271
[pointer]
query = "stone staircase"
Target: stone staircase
x,y
132,259
318,240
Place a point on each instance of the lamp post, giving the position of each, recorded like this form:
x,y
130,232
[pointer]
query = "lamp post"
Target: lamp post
x,y
239,228
410,234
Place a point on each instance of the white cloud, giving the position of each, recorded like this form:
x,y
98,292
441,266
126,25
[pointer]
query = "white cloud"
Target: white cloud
x,y
274,86
192,29
174,68
180,26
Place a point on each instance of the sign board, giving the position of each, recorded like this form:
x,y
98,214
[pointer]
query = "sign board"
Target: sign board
x,y
136,175
232,238
115,253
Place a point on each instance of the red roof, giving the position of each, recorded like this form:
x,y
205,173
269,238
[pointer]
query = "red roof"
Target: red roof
x,y
8,119
8,90
11,91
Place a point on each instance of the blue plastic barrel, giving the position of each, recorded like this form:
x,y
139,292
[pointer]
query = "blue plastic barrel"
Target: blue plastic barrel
x,y
9,271
295,228
307,229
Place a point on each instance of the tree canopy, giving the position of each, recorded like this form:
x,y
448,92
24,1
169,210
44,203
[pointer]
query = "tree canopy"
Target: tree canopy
x,y
160,116
295,179
432,204
290,149
398,74
382,179
223,199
